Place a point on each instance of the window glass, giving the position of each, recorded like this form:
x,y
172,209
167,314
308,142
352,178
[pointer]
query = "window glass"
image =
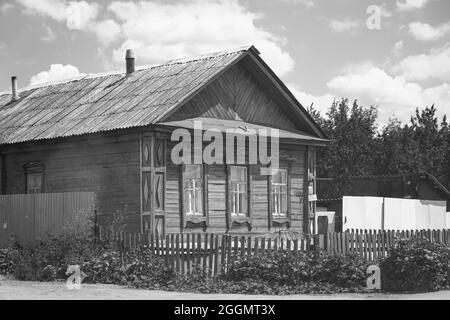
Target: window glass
x,y
193,190
239,191
34,183
279,193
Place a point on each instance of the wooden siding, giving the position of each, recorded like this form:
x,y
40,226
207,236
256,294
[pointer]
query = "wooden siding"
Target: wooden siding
x,y
236,96
107,165
291,156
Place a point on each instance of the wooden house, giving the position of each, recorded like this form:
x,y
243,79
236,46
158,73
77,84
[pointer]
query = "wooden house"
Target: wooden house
x,y
112,135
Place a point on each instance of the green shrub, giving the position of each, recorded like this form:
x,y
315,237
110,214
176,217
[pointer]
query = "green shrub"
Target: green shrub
x,y
8,257
103,267
411,265
48,260
416,265
343,271
299,272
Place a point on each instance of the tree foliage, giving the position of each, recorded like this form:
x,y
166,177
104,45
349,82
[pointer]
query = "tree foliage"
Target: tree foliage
x,y
360,147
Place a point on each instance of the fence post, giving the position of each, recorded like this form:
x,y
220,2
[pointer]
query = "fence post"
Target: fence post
x,y
319,242
211,254
199,251
249,247
242,247
183,255
205,252
223,252
188,253
178,256
228,252
216,254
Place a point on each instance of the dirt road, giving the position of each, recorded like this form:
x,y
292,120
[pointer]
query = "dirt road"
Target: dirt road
x,y
13,290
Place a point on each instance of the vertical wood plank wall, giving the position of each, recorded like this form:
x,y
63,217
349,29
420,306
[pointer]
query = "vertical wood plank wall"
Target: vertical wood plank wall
x,y
292,157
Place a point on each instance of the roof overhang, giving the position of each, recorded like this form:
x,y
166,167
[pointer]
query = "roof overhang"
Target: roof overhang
x,y
244,128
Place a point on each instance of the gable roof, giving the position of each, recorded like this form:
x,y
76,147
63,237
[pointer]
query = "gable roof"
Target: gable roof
x,y
98,103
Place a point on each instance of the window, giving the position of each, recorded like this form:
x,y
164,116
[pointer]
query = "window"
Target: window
x,y
34,173
239,200
312,191
279,193
34,183
193,190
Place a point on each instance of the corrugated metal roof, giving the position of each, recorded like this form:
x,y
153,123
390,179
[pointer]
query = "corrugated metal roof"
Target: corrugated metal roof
x,y
108,102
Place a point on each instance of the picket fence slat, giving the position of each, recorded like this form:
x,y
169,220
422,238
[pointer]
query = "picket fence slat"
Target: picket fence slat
x,y
212,253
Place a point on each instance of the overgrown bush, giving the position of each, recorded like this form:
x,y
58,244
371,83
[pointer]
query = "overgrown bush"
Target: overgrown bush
x,y
411,265
416,265
142,269
8,256
48,260
300,272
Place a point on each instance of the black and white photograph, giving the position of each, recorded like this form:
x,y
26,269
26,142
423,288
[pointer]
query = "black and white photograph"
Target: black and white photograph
x,y
224,158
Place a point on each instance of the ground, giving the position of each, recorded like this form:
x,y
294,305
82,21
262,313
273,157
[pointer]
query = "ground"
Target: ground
x,y
12,290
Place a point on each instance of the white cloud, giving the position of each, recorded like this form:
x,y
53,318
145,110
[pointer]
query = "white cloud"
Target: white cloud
x,y
77,15
435,65
321,103
55,9
394,95
440,95
346,25
49,34
306,3
425,32
398,48
56,73
407,5
81,15
159,31
107,31
6,7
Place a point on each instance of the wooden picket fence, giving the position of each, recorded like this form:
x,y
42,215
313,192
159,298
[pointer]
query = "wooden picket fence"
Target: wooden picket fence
x,y
211,253
374,244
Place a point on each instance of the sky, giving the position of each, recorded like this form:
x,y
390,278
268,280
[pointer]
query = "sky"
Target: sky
x,y
391,54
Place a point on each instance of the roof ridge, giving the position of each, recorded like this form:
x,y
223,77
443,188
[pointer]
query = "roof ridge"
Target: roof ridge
x,y
138,69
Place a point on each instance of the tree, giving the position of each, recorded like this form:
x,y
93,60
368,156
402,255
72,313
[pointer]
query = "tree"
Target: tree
x,y
350,152
357,148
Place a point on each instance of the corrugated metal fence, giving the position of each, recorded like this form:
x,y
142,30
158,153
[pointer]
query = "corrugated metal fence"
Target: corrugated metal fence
x,y
27,217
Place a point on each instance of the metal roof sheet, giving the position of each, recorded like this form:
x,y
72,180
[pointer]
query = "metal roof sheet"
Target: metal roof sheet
x,y
93,104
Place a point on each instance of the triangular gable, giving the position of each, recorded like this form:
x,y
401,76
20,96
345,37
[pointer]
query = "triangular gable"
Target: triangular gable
x,y
235,96
248,91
